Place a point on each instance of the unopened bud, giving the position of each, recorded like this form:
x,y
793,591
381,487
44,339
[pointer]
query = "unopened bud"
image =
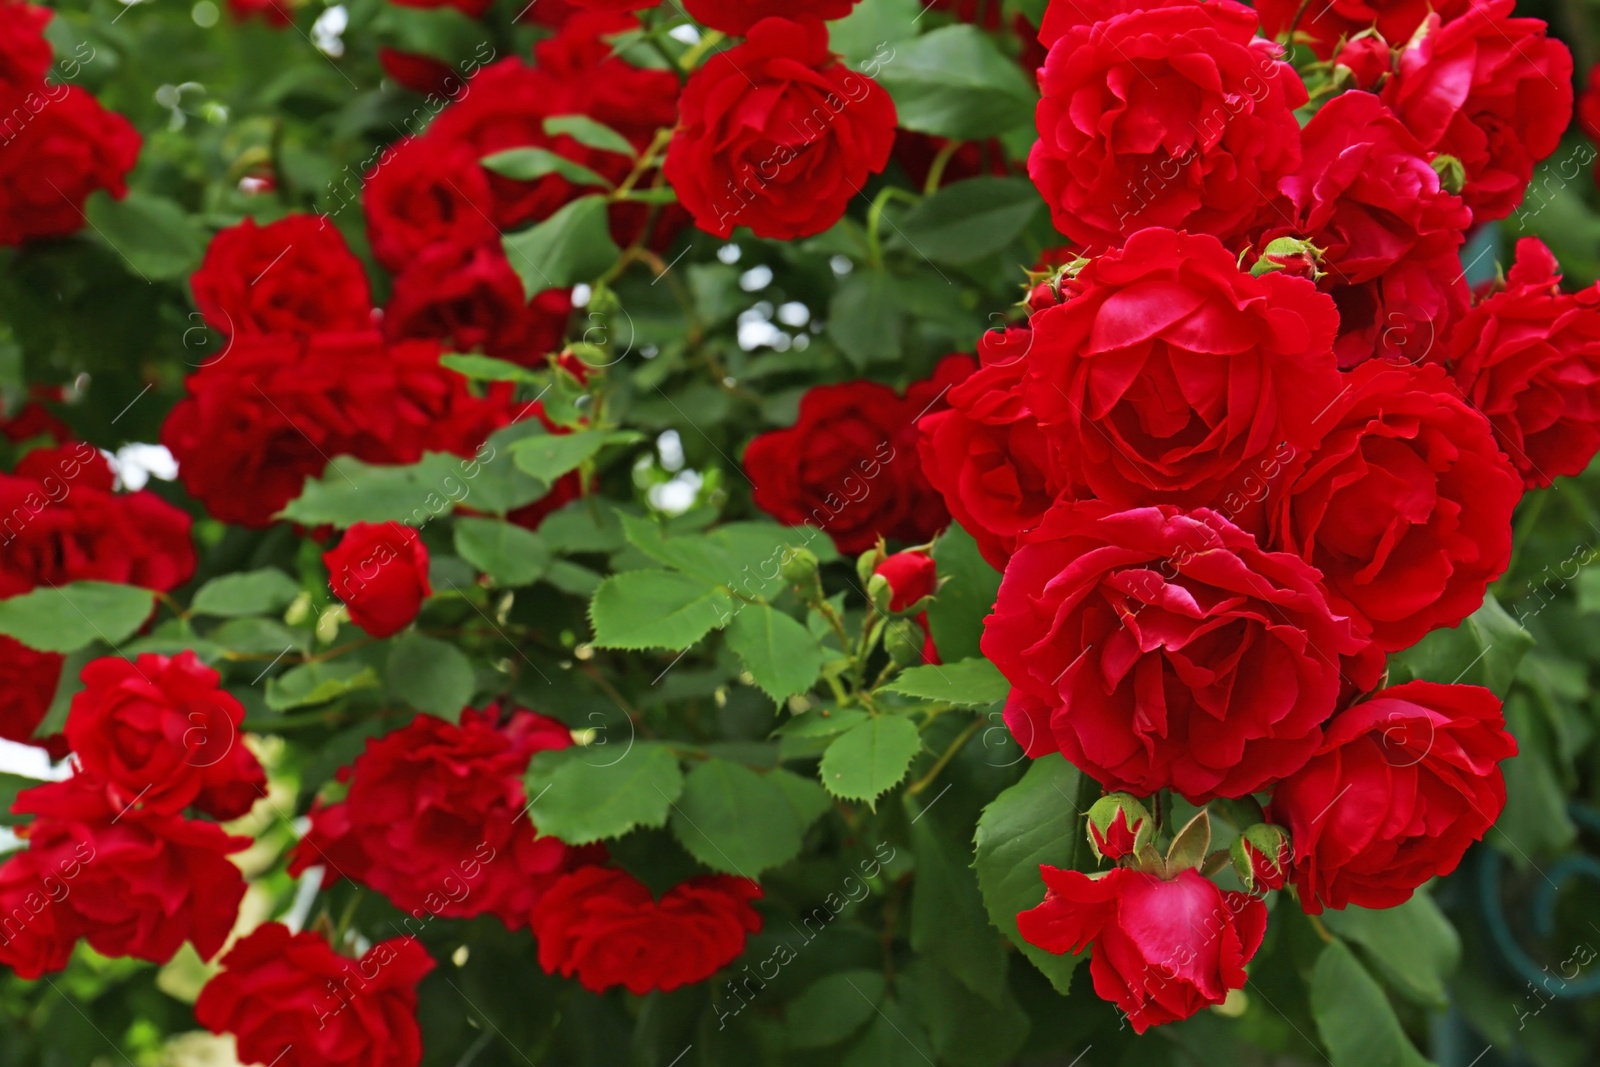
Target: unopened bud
x,y
1452,174
1290,255
1118,826
1261,857
799,569
903,641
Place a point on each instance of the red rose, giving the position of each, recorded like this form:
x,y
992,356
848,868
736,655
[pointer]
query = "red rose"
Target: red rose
x,y
1178,116
60,145
911,576
470,8
273,410
28,680
470,297
1403,783
289,1000
1160,649
986,455
605,927
1162,950
1588,106
1490,90
738,16
777,134
423,192
1390,236
380,571
1323,26
149,880
417,72
161,733
293,276
274,13
60,522
25,55
1171,376
849,466
917,153
1528,357
34,939
614,5
1060,18
1405,507
436,820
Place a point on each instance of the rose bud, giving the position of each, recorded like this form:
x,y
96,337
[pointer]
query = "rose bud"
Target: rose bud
x,y
1366,59
1290,255
380,571
1162,950
1261,856
1118,825
912,576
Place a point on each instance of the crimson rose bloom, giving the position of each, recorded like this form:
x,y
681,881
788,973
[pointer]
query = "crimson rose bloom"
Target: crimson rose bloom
x,y
848,465
25,55
1528,357
423,192
1405,507
274,410
34,938
436,820
1170,375
28,680
470,297
777,134
1162,950
912,576
1059,18
1177,116
60,522
1403,784
380,571
149,881
64,147
161,733
293,276
1588,105
1390,236
291,1001
737,16
1160,649
603,926
1323,26
1491,90
417,72
997,471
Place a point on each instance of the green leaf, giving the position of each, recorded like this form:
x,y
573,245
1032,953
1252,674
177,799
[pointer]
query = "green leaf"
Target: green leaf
x,y
1035,821
870,759
734,820
972,219
311,684
656,609
1484,650
69,617
259,592
948,921
488,369
893,1039
152,234
863,319
956,82
779,652
506,552
10,786
571,246
1412,944
967,683
255,636
589,133
497,483
872,31
530,164
430,675
1355,1019
351,491
833,1008
548,456
746,556
581,802
956,614
808,801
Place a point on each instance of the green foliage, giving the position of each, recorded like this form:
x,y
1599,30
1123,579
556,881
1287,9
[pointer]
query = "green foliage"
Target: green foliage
x,y
870,758
571,246
350,491
1355,1019
429,675
248,593
583,796
67,618
736,821
510,555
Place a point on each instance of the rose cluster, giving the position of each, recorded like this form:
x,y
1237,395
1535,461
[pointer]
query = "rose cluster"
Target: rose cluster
x,y
57,144
113,856
61,521
1254,436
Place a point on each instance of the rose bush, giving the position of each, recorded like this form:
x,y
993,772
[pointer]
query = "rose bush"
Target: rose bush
x,y
572,533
